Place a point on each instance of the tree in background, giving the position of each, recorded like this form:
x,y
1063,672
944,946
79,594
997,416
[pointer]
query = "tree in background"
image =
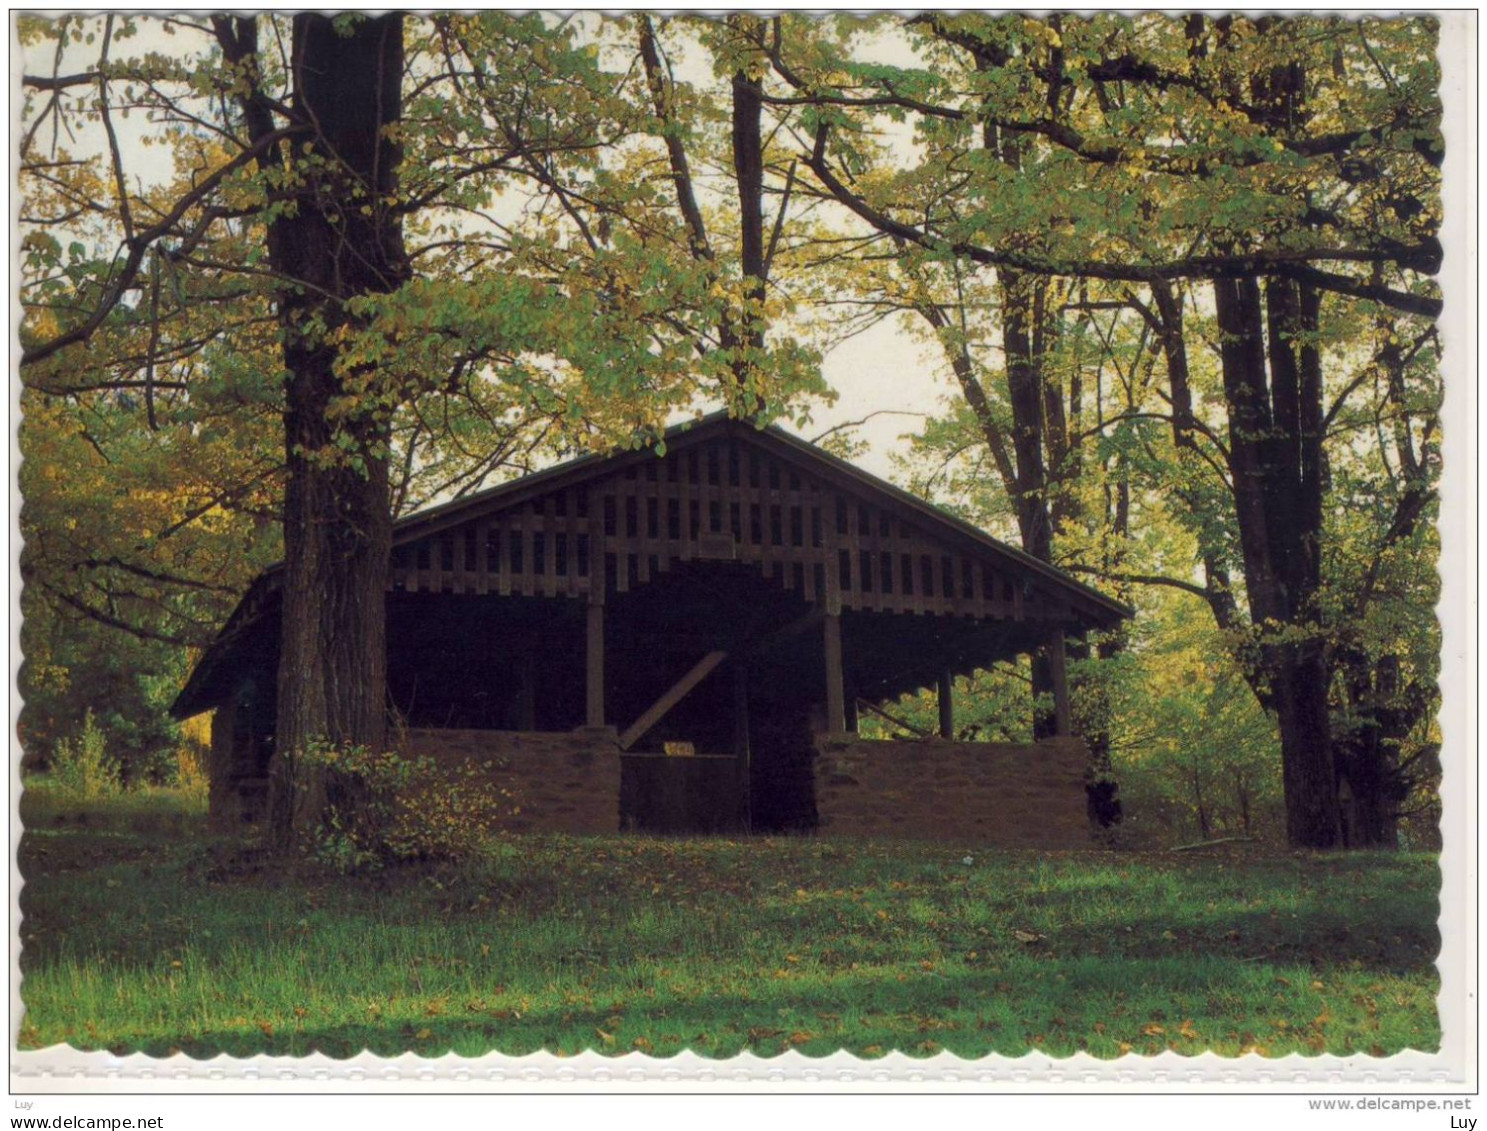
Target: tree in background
x,y
1287,166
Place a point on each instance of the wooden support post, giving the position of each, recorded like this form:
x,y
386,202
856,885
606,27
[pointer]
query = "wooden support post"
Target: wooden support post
x,y
1063,719
947,704
594,667
743,763
836,708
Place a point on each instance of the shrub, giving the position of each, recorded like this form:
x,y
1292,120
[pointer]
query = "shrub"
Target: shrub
x,y
448,811
383,807
81,764
190,776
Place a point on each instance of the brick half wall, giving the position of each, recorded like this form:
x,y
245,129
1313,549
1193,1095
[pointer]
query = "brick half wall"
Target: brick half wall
x,y
999,794
559,782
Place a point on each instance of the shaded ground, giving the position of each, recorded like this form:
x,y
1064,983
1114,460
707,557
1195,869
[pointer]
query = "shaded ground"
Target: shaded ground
x,y
136,938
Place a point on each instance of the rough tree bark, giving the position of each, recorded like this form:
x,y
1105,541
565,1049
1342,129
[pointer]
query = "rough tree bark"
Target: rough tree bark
x,y
343,238
748,168
1275,464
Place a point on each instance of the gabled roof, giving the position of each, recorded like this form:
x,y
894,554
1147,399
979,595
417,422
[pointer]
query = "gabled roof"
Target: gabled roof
x,y
1095,607
423,523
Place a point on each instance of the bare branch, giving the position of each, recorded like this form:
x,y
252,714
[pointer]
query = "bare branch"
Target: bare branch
x,y
846,424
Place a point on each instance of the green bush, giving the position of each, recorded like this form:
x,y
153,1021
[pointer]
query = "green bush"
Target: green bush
x,y
82,766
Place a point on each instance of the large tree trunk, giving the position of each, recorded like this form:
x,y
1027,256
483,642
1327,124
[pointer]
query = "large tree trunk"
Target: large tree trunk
x,y
1025,395
748,167
342,239
1274,458
1026,331
1368,755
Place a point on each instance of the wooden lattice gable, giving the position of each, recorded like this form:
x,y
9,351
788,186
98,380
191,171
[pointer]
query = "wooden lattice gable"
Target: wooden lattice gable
x,y
728,491
724,491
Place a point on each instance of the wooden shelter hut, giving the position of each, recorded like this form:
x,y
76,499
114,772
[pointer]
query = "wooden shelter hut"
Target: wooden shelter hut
x,y
680,643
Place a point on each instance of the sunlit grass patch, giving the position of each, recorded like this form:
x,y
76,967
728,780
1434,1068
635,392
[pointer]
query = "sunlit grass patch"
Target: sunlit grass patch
x,y
617,944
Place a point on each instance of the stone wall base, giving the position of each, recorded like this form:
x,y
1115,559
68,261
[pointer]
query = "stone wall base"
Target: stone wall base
x,y
558,782
996,794
972,793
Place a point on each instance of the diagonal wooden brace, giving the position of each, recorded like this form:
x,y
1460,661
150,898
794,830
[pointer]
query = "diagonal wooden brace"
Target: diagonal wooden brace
x,y
673,695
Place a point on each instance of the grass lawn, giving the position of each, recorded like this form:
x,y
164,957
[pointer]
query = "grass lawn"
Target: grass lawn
x,y
133,940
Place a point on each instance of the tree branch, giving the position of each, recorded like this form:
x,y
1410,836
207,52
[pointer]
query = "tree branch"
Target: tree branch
x,y
844,425
33,354
102,617
59,82
1138,579
1294,263
681,173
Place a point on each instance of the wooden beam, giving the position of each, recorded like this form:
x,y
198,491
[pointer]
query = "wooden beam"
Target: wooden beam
x,y
836,712
673,695
947,704
594,667
1063,715
883,713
